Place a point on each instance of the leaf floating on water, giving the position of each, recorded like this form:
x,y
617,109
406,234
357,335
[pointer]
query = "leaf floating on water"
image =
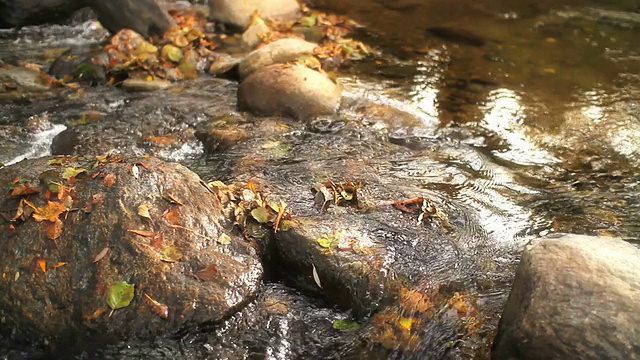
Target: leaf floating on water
x,y
159,309
49,212
316,278
54,229
120,295
208,273
261,214
101,254
345,324
143,210
72,172
224,239
109,179
172,216
171,254
145,233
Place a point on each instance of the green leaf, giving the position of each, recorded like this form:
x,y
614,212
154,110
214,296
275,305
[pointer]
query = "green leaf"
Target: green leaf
x,y
55,162
171,254
224,239
120,295
345,324
309,21
286,225
72,172
325,241
261,214
172,53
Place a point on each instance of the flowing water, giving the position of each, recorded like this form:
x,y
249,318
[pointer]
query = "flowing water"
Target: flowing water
x,y
528,116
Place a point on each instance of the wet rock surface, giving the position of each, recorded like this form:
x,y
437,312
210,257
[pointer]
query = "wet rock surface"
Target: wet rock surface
x,y
277,52
289,90
239,12
66,253
574,297
34,12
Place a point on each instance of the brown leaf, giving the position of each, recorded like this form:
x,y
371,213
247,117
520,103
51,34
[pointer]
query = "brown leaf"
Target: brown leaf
x,y
157,240
145,233
54,229
159,309
172,216
172,199
49,212
25,189
101,254
143,210
109,179
207,274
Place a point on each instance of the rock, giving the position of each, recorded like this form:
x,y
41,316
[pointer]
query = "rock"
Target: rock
x,y
145,17
145,85
280,51
22,80
289,90
574,297
220,139
62,266
225,65
83,64
238,12
20,13
254,34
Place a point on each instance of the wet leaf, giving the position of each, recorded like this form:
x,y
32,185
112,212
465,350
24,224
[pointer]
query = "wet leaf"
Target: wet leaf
x,y
101,254
145,233
286,225
55,162
224,239
25,189
316,278
159,309
157,240
143,210
345,324
51,178
54,229
207,274
120,295
405,323
72,172
172,216
42,264
261,214
171,254
172,53
49,212
109,179
325,241
308,21
60,264
281,211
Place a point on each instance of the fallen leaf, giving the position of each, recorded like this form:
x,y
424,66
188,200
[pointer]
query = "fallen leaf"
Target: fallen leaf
x,y
224,239
42,264
109,179
161,139
54,229
172,199
25,189
60,264
261,214
159,309
72,172
120,295
405,323
133,169
157,240
281,211
345,324
95,314
145,233
143,210
208,273
171,254
172,216
101,254
316,278
49,212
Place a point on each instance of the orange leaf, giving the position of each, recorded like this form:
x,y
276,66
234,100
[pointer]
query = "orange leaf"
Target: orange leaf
x,y
208,273
60,264
54,229
43,265
161,139
145,233
172,216
25,189
109,179
49,212
157,240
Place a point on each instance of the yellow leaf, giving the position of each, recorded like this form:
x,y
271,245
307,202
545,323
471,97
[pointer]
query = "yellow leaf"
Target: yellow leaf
x,y
49,212
143,210
405,323
72,172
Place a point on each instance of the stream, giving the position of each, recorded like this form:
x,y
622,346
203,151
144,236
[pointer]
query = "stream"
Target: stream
x,y
524,114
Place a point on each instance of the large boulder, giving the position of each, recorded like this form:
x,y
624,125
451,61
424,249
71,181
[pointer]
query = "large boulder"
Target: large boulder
x,y
238,12
145,17
289,90
574,297
69,242
277,52
14,13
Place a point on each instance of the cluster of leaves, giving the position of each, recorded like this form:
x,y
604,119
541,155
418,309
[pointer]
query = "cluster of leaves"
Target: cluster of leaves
x,y
425,209
338,240
248,203
394,331
342,193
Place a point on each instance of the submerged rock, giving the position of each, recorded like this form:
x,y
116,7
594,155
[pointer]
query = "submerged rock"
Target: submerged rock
x,y
238,12
141,221
18,13
281,51
145,17
83,63
289,90
574,297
